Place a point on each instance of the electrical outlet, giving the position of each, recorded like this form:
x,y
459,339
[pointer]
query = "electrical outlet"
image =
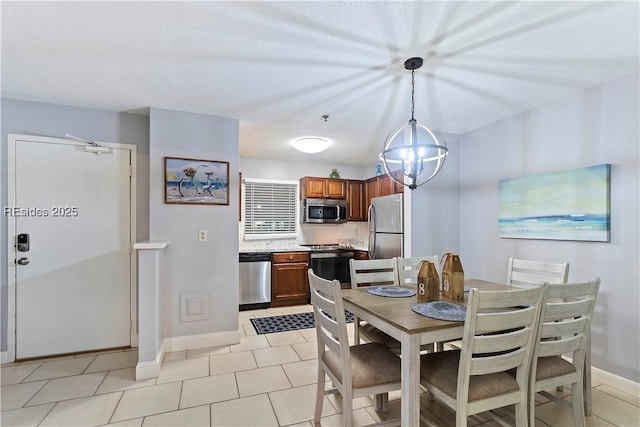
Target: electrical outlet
x,y
202,236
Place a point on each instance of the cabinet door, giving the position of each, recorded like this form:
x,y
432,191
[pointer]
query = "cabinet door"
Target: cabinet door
x,y
370,191
335,188
289,284
314,188
355,198
385,185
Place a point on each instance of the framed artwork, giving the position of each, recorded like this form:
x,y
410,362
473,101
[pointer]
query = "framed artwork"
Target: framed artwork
x,y
196,181
568,205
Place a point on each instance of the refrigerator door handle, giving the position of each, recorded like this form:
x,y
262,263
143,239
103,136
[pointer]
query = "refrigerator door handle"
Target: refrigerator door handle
x,y
372,232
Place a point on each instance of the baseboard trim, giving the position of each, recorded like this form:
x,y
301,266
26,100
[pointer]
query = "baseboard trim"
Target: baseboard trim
x,y
4,357
151,369
615,381
191,342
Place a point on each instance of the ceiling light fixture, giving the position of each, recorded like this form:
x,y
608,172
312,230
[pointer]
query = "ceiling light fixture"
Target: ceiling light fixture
x,y
413,154
311,144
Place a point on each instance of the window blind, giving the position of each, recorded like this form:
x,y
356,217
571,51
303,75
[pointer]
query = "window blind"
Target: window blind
x,y
270,207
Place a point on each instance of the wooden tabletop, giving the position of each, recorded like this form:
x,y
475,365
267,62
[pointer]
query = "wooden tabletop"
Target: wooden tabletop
x,y
397,311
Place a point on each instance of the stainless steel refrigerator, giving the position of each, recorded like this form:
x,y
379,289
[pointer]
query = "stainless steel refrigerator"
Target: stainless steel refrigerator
x,y
386,227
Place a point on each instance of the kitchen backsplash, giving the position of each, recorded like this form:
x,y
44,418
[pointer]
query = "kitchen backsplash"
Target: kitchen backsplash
x,y
349,234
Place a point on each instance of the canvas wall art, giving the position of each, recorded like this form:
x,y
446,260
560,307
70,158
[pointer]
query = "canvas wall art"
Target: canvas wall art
x,y
567,205
197,182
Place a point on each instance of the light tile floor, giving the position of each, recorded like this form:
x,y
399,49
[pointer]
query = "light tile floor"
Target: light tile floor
x,y
266,380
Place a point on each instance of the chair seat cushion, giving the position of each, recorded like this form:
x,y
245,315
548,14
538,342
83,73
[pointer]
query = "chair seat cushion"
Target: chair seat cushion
x,y
441,370
554,366
371,364
373,334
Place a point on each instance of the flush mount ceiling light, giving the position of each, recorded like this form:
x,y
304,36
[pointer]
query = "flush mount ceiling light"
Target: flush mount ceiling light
x,y
413,154
311,144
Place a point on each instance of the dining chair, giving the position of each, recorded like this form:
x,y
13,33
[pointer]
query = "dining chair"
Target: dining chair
x,y
522,272
408,268
355,371
367,272
499,333
564,326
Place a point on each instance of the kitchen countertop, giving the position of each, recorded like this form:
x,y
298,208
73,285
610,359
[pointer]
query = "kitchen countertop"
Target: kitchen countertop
x,y
293,247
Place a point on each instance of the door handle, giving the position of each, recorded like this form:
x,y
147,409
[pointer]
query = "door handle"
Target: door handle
x,y
23,261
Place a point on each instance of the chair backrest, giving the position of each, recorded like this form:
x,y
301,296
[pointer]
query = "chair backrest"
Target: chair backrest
x,y
408,268
566,320
523,273
499,334
331,326
366,272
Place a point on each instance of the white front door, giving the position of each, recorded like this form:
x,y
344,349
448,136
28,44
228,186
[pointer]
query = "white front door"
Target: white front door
x,y
72,286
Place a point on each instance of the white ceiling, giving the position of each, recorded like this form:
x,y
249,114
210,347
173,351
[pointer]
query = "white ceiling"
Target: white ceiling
x,y
279,66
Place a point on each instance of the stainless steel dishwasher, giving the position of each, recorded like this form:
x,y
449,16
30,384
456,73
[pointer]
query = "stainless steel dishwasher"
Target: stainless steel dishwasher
x,y
255,280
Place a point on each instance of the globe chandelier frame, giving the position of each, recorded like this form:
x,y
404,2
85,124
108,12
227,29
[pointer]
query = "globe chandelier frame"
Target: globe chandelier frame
x,y
414,154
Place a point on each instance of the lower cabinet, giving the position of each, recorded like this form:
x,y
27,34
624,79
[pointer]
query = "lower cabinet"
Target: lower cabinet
x,y
289,280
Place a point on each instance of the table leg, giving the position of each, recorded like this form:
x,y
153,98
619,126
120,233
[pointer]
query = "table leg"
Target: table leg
x,y
410,397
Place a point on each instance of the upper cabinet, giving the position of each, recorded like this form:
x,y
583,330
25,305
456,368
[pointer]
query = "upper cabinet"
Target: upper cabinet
x,y
322,188
355,197
379,186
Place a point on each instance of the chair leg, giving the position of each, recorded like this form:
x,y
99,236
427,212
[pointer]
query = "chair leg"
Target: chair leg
x,y
319,397
521,413
347,409
577,403
382,402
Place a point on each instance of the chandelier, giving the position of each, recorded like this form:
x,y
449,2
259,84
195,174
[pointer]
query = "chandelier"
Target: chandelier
x,y
413,154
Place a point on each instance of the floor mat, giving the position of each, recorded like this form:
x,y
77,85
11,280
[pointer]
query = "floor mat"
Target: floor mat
x,y
287,322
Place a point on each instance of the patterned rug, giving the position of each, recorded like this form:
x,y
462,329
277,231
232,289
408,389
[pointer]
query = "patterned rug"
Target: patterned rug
x,y
287,322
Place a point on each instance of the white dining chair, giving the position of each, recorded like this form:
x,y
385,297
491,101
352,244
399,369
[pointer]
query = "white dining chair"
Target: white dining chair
x,y
409,267
371,272
564,327
355,371
499,333
522,272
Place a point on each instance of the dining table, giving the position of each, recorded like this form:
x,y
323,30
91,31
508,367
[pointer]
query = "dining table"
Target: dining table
x,y
395,317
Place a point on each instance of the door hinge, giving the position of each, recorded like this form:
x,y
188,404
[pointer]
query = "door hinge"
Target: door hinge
x,y
130,170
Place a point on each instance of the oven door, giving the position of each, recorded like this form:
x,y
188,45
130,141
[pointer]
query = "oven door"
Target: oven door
x,y
332,265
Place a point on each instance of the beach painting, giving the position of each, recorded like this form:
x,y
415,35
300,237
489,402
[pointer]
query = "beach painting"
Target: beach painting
x,y
567,205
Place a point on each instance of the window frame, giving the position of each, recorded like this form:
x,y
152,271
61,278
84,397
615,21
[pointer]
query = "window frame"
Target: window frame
x,y
245,216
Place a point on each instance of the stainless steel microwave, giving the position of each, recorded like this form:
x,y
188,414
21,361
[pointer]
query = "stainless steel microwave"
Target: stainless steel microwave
x,y
323,211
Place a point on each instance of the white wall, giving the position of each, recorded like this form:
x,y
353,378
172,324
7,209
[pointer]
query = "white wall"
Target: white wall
x,y
210,266
434,222
599,125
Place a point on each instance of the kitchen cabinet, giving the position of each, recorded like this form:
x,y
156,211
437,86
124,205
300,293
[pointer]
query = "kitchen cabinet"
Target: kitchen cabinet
x,y
379,186
355,198
322,188
289,280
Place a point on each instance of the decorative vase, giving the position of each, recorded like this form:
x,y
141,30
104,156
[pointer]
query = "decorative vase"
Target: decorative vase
x,y
334,174
378,170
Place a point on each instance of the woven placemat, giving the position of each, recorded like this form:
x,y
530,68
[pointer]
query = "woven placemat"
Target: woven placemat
x,y
441,310
391,291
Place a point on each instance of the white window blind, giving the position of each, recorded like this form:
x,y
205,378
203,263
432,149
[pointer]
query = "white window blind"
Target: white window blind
x,y
270,207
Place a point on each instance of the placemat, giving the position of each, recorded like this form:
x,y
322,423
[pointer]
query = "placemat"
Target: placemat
x,y
441,310
391,291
